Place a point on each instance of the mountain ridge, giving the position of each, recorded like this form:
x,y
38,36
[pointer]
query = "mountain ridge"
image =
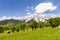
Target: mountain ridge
x,y
37,17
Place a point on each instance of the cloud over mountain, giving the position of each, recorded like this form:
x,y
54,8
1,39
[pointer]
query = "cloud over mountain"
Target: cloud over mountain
x,y
43,7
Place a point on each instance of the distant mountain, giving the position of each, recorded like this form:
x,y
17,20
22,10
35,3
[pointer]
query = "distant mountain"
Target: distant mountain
x,y
39,17
9,21
36,17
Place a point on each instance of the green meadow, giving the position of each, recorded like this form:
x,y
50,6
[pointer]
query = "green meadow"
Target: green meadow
x,y
39,34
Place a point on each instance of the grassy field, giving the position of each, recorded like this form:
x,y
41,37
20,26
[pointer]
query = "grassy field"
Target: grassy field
x,y
40,34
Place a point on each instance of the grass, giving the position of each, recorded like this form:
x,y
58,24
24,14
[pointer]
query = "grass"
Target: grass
x,y
40,34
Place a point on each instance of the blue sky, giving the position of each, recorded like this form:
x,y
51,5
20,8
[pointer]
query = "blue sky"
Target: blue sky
x,y
18,7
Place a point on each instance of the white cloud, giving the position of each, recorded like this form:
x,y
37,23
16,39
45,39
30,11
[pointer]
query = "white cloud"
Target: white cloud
x,y
43,7
10,17
28,7
28,13
3,18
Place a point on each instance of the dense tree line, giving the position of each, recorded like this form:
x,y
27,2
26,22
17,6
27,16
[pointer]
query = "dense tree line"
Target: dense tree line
x,y
12,27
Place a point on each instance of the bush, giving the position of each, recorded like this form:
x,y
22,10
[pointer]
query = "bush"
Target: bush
x,y
23,26
17,28
27,26
1,29
13,29
42,24
33,24
54,22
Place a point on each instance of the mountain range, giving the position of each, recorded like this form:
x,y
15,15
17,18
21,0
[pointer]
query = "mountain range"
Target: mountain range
x,y
37,17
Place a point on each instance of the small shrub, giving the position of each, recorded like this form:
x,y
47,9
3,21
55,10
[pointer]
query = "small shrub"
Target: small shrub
x,y
17,30
1,29
13,29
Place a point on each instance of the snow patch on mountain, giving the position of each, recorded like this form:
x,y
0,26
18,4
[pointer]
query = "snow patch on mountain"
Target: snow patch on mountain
x,y
36,17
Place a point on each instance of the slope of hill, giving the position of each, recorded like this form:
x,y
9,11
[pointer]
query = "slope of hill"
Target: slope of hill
x,y
9,21
41,34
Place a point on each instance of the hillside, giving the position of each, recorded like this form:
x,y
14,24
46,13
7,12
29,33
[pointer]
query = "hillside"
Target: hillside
x,y
9,21
41,34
